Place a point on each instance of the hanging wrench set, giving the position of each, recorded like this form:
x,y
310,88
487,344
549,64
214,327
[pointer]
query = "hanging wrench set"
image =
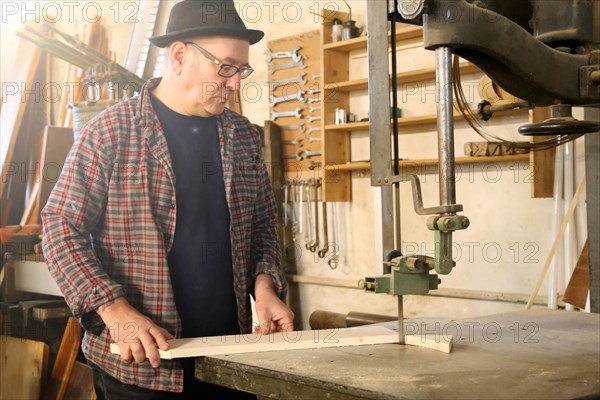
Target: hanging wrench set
x,y
307,217
294,86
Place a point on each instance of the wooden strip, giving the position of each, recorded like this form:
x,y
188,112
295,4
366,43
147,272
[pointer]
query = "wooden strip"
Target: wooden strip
x,y
434,342
55,148
297,340
81,383
23,366
65,360
542,161
557,240
14,109
579,284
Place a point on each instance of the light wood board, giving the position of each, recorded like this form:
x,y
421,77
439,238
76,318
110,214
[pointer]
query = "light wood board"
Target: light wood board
x,y
22,368
434,342
297,340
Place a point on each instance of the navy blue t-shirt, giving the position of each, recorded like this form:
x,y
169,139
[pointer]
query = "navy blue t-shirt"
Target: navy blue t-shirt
x,y
200,260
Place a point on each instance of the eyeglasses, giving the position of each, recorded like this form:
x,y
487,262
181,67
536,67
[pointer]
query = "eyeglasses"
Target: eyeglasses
x,y
225,70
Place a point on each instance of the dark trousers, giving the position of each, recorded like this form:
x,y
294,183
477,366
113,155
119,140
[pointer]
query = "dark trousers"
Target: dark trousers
x,y
109,388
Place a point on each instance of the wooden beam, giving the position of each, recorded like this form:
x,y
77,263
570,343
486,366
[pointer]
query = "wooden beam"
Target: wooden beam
x,y
297,340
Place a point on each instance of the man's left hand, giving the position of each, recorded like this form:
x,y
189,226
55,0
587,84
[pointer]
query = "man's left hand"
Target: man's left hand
x,y
273,314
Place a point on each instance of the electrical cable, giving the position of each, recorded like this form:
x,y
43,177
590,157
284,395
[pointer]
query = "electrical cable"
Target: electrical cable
x,y
473,121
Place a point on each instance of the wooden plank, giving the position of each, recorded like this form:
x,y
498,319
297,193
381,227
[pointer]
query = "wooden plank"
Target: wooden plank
x,y
579,285
542,161
23,365
441,343
56,145
297,340
65,360
81,383
11,118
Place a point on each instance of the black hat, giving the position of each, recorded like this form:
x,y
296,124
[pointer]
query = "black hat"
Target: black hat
x,y
191,18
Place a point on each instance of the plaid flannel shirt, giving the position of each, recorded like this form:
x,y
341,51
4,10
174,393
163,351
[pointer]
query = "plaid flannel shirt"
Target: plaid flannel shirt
x,y
110,222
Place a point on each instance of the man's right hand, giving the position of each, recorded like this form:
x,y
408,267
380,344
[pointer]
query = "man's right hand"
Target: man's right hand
x,y
137,336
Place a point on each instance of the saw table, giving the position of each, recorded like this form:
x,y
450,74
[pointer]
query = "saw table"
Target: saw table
x,y
537,354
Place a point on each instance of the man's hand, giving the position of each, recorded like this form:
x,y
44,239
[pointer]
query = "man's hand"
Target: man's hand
x,y
273,314
137,336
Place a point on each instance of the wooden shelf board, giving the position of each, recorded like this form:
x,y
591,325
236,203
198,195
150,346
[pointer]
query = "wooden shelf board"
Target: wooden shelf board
x,y
409,121
418,75
364,165
359,43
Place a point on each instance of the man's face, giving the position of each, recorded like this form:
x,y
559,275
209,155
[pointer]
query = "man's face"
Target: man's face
x,y
206,92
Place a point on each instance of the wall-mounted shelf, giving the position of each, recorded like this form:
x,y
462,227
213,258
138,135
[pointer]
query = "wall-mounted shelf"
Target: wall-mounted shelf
x,y
365,165
409,122
418,75
360,43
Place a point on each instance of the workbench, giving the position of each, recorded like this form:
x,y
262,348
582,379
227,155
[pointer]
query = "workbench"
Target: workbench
x,y
536,354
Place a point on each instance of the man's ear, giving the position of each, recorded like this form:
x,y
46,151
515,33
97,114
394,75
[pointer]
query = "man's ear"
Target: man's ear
x,y
177,54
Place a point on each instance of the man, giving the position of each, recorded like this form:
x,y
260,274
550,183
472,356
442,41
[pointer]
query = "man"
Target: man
x,y
163,220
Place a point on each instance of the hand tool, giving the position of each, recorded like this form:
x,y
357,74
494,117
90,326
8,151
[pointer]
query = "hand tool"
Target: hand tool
x,y
298,96
323,251
276,68
297,113
313,109
298,79
311,226
302,154
299,127
335,258
313,119
314,164
315,244
312,129
314,139
293,54
296,142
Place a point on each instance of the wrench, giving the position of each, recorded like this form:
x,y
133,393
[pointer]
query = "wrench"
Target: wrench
x,y
312,109
301,206
284,187
297,142
313,119
293,54
314,91
299,63
298,96
321,253
315,245
314,100
295,220
302,154
280,114
299,127
299,80
312,129
316,76
310,237
314,139
314,164
335,258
